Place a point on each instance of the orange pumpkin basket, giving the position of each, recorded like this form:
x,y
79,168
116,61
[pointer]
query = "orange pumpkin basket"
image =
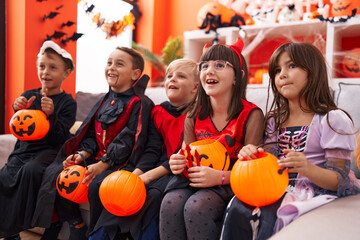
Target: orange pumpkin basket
x,y
259,182
122,193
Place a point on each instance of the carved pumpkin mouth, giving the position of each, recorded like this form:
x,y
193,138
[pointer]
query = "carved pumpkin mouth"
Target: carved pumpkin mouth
x,y
71,187
342,8
21,131
353,69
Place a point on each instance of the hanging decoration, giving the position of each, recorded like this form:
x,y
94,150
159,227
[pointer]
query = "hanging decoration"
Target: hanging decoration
x,y
74,37
61,36
50,15
214,15
337,19
112,28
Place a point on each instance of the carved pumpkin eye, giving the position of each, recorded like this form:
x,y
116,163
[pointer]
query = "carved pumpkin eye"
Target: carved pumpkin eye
x,y
122,193
29,124
69,184
259,182
342,8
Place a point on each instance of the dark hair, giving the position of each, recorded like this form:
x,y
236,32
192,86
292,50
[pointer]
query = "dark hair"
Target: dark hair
x,y
202,106
137,58
316,93
68,62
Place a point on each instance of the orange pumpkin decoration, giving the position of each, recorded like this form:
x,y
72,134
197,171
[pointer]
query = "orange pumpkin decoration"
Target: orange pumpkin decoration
x,y
344,7
122,193
215,8
249,21
211,153
29,124
351,63
259,182
69,184
259,74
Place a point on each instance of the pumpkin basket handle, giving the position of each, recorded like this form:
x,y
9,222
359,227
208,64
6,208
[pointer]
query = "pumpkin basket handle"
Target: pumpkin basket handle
x,y
83,158
280,171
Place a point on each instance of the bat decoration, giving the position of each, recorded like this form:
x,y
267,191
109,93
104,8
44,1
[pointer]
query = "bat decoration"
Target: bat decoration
x,y
56,35
89,9
337,19
74,37
68,24
50,16
136,12
59,7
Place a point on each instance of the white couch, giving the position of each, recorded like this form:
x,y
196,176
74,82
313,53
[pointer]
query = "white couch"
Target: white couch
x,y
339,219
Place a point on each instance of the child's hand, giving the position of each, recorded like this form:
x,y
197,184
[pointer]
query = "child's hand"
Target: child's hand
x,y
177,163
22,103
202,177
72,159
296,162
249,152
94,170
47,104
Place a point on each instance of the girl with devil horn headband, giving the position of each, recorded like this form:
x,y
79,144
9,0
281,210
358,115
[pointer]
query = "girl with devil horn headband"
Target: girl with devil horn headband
x,y
193,207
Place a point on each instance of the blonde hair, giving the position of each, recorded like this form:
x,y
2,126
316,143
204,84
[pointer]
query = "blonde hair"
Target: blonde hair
x,y
183,62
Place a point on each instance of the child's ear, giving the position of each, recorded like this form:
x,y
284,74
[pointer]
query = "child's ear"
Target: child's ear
x,y
67,73
135,74
196,85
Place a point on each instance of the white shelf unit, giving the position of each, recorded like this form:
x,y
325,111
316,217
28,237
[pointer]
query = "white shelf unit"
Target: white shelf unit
x,y
327,36
336,33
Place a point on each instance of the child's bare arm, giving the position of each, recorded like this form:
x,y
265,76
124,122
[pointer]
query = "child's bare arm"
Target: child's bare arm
x,y
154,174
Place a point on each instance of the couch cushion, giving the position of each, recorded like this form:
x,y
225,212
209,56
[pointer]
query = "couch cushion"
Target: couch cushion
x,y
7,143
85,102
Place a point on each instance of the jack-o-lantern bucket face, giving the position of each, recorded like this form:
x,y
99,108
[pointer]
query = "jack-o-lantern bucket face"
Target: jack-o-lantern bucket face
x,y
122,193
69,184
259,182
29,124
211,153
342,8
351,63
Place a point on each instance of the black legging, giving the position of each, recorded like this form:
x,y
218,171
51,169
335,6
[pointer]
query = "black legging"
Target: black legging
x,y
191,214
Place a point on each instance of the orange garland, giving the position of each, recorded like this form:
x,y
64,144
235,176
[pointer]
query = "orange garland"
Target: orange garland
x,y
111,28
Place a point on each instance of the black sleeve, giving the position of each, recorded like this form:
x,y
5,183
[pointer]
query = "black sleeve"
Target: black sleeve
x,y
88,143
153,149
61,120
120,149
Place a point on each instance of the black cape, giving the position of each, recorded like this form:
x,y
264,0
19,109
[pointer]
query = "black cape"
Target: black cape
x,y
47,193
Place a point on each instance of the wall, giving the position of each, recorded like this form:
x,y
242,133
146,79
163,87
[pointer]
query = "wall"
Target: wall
x,y
163,18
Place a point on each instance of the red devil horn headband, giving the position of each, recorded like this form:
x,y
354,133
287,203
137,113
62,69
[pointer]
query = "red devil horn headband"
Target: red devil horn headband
x,y
237,47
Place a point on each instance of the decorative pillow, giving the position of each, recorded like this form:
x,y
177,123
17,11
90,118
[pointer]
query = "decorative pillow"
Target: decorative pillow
x,y
347,97
85,102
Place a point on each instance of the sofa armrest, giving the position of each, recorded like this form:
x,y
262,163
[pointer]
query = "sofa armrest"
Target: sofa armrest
x,y
339,219
7,143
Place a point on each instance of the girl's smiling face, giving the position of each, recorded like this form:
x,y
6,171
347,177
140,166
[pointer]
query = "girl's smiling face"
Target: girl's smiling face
x,y
289,78
119,71
217,77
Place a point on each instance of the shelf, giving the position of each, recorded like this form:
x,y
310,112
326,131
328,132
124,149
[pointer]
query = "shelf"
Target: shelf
x,y
333,39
